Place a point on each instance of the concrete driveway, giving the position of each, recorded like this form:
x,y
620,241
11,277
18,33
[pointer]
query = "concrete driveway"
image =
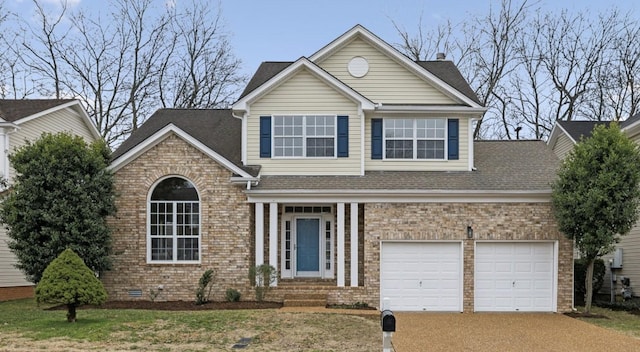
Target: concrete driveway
x,y
419,332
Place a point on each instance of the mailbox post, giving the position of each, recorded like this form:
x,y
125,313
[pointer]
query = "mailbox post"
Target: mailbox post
x,y
388,324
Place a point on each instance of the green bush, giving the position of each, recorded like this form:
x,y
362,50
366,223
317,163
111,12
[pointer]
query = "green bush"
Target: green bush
x,y
67,280
579,275
204,287
262,276
232,295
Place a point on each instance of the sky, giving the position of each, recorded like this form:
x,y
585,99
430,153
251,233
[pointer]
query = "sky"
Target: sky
x,y
285,30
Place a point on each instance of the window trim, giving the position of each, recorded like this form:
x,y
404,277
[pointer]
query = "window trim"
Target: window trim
x,y
175,235
415,139
304,137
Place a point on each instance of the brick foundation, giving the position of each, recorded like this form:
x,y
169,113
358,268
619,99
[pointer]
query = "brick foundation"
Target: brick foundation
x,y
16,292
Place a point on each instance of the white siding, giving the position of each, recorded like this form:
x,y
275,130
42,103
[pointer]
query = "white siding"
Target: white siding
x,y
9,275
65,120
387,81
462,164
562,146
630,262
304,94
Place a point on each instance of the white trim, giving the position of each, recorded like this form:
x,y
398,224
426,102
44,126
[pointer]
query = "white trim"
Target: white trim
x,y
304,137
73,105
259,224
273,237
362,142
395,55
243,103
553,137
470,154
398,196
434,109
340,270
414,138
164,133
354,244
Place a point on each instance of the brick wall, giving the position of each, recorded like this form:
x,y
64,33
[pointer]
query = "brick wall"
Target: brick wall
x,y
490,221
226,230
16,292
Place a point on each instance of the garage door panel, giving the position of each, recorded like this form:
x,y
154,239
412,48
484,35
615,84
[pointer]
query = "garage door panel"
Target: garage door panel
x,y
431,273
517,277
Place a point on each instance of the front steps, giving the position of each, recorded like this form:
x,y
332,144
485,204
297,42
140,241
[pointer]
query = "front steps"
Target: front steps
x,y
305,292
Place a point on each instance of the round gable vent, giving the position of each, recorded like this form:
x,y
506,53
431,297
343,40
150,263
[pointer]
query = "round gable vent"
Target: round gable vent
x,y
358,66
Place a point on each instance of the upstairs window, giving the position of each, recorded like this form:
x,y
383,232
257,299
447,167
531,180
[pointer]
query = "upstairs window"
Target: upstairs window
x,y
415,138
174,222
304,136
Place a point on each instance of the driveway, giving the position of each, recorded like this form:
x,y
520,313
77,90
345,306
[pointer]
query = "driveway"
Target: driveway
x,y
418,332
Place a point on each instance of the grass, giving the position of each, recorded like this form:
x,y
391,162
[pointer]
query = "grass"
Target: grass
x,y
621,321
23,323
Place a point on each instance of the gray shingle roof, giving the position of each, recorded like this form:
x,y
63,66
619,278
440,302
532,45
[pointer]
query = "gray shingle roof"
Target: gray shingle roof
x,y
500,166
449,73
633,119
444,70
13,110
579,129
215,128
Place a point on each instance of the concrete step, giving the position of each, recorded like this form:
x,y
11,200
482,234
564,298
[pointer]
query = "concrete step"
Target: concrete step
x,y
304,302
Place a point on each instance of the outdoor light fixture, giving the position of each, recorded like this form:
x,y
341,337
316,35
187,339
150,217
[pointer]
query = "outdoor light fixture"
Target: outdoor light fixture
x,y
469,232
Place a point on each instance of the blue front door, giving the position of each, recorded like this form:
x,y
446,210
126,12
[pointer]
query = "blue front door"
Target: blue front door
x,y
308,247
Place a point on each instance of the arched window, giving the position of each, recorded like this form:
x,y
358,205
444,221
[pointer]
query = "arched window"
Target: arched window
x,y
174,222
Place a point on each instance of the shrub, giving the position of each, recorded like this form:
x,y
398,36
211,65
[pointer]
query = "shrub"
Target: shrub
x,y
232,295
580,273
262,276
67,280
205,284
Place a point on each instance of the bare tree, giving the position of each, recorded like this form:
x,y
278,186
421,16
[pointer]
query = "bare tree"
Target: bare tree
x,y
200,70
425,45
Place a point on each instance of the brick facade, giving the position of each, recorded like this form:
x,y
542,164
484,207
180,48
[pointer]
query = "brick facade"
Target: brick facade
x,y
448,221
226,227
227,233
16,292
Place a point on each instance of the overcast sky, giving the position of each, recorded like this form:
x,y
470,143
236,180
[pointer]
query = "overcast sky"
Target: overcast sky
x,y
285,30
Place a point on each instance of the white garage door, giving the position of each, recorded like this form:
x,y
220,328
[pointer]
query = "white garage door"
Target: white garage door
x,y
512,276
422,276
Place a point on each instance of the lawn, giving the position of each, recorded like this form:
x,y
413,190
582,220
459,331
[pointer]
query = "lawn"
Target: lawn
x,y
25,327
621,321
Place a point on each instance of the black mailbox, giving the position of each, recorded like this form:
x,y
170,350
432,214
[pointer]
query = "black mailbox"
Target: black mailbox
x,y
388,321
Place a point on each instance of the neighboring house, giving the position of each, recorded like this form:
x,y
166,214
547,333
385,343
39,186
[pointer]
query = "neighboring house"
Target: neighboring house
x,y
354,173
27,120
564,135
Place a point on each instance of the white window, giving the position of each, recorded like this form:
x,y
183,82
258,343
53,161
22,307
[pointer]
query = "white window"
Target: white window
x,y
414,138
304,136
174,222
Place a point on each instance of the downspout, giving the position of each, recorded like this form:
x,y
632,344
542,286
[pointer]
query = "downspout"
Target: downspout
x,y
7,129
243,139
362,140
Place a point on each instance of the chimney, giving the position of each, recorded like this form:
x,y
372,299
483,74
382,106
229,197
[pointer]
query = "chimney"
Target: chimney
x,y
440,56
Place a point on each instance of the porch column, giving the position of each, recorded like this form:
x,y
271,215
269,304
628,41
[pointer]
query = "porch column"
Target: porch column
x,y
273,237
354,244
340,266
259,233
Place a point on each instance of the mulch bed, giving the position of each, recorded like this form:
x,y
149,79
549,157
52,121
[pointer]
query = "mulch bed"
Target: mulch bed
x,y
178,305
585,315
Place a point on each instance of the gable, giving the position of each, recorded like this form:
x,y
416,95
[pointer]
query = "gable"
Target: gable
x,y
386,81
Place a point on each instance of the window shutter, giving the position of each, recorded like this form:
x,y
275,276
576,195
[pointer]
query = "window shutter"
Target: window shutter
x,y
265,136
453,139
343,136
376,138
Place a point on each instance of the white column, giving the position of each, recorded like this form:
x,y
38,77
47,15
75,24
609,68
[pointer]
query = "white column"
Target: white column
x,y
340,266
354,244
259,234
273,237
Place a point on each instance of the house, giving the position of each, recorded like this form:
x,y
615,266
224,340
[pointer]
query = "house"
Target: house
x,y
564,135
354,173
27,120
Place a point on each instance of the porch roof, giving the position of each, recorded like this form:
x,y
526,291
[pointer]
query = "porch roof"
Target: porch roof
x,y
527,166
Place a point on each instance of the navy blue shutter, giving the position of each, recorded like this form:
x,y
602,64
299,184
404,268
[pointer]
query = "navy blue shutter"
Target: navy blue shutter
x,y
343,136
453,139
265,136
376,138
